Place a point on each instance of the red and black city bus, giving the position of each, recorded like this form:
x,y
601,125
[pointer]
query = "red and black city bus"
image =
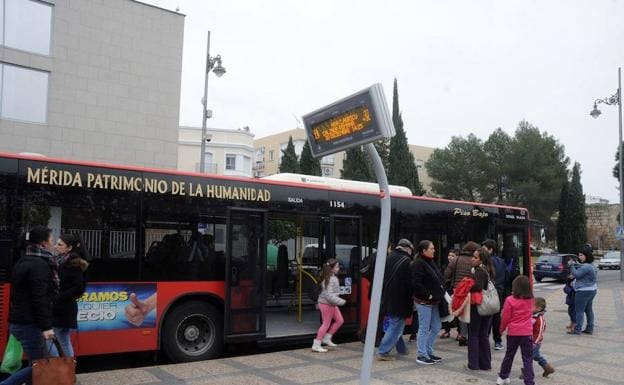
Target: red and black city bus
x,y
186,262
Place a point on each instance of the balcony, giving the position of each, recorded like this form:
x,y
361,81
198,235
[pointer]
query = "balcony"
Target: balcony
x,y
210,168
259,165
328,160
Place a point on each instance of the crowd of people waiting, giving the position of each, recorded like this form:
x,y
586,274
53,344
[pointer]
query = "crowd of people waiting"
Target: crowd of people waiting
x,y
478,292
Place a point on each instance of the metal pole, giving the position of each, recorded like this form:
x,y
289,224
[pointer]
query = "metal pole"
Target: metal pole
x,y
619,96
202,157
380,265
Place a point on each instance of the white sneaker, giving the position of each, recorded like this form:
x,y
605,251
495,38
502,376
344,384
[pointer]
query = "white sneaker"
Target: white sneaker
x,y
500,381
327,340
316,347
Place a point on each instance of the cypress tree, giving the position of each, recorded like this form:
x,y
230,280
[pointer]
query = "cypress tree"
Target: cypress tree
x,y
383,149
289,161
563,222
402,168
356,167
576,207
308,164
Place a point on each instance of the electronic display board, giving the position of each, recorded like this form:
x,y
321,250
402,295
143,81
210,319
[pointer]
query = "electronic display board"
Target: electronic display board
x,y
353,121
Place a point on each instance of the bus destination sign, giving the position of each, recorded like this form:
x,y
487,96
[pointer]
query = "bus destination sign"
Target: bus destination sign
x,y
353,121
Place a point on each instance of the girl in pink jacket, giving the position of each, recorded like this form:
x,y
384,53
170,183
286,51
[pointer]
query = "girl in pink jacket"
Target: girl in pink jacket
x,y
516,317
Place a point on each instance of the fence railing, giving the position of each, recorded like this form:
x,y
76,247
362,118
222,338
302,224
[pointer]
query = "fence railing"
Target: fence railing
x,y
91,239
122,244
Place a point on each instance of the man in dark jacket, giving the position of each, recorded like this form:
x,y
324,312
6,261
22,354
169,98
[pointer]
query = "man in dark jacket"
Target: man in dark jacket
x,y
396,302
34,283
501,278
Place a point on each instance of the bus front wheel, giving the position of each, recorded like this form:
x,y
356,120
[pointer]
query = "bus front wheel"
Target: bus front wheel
x,y
193,332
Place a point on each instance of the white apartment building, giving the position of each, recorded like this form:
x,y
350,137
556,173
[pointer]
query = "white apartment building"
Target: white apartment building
x,y
228,152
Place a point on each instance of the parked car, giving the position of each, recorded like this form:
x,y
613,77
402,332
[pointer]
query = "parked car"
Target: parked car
x,y
611,260
552,266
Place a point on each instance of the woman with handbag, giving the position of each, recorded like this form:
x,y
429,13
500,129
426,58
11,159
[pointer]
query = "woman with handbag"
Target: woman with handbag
x,y
428,288
34,282
72,286
479,354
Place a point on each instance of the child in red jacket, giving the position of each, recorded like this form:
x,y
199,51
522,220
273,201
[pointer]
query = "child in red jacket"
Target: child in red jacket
x,y
539,327
517,319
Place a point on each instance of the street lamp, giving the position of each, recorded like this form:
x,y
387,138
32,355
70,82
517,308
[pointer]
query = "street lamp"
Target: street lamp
x,y
595,113
212,64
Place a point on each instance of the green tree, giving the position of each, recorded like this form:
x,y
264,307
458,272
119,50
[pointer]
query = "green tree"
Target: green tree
x,y
495,150
281,231
457,170
576,208
289,161
308,164
383,149
563,220
536,167
527,170
356,166
402,170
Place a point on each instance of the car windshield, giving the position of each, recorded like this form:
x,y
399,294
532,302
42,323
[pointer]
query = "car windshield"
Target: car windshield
x,y
549,259
612,255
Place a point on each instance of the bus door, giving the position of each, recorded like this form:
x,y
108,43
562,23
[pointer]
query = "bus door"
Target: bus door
x,y
346,246
513,245
244,278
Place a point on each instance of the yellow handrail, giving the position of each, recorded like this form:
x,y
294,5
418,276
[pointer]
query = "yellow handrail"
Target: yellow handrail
x,y
300,286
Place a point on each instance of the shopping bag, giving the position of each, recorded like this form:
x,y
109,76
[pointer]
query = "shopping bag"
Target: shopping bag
x,y
12,359
54,370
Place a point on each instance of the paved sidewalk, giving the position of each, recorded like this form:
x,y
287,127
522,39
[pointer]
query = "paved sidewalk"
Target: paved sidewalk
x,y
578,360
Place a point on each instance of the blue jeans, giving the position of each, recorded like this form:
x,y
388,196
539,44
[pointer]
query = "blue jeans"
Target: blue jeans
x,y
31,338
393,336
429,326
584,305
63,335
537,356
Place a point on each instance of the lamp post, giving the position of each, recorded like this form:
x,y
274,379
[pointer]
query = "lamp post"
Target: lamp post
x,y
595,113
212,64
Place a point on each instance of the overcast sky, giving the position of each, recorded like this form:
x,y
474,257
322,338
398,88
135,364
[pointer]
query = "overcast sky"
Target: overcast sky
x,y
462,66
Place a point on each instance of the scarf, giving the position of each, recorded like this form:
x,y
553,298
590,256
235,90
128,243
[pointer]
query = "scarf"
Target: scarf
x,y
36,251
62,259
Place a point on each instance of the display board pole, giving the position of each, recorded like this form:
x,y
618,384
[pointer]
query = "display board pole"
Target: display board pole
x,y
380,264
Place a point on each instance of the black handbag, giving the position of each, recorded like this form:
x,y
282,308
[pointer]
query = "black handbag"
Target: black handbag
x,y
443,307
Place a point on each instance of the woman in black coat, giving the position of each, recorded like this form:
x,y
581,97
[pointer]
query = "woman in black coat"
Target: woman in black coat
x,y
71,268
428,291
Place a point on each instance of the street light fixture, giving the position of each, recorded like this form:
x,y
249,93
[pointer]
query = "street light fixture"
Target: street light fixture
x,y
215,65
595,113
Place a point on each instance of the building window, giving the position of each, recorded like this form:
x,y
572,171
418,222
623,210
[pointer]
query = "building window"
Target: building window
x,y
23,93
209,166
271,155
329,159
247,164
230,162
26,25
